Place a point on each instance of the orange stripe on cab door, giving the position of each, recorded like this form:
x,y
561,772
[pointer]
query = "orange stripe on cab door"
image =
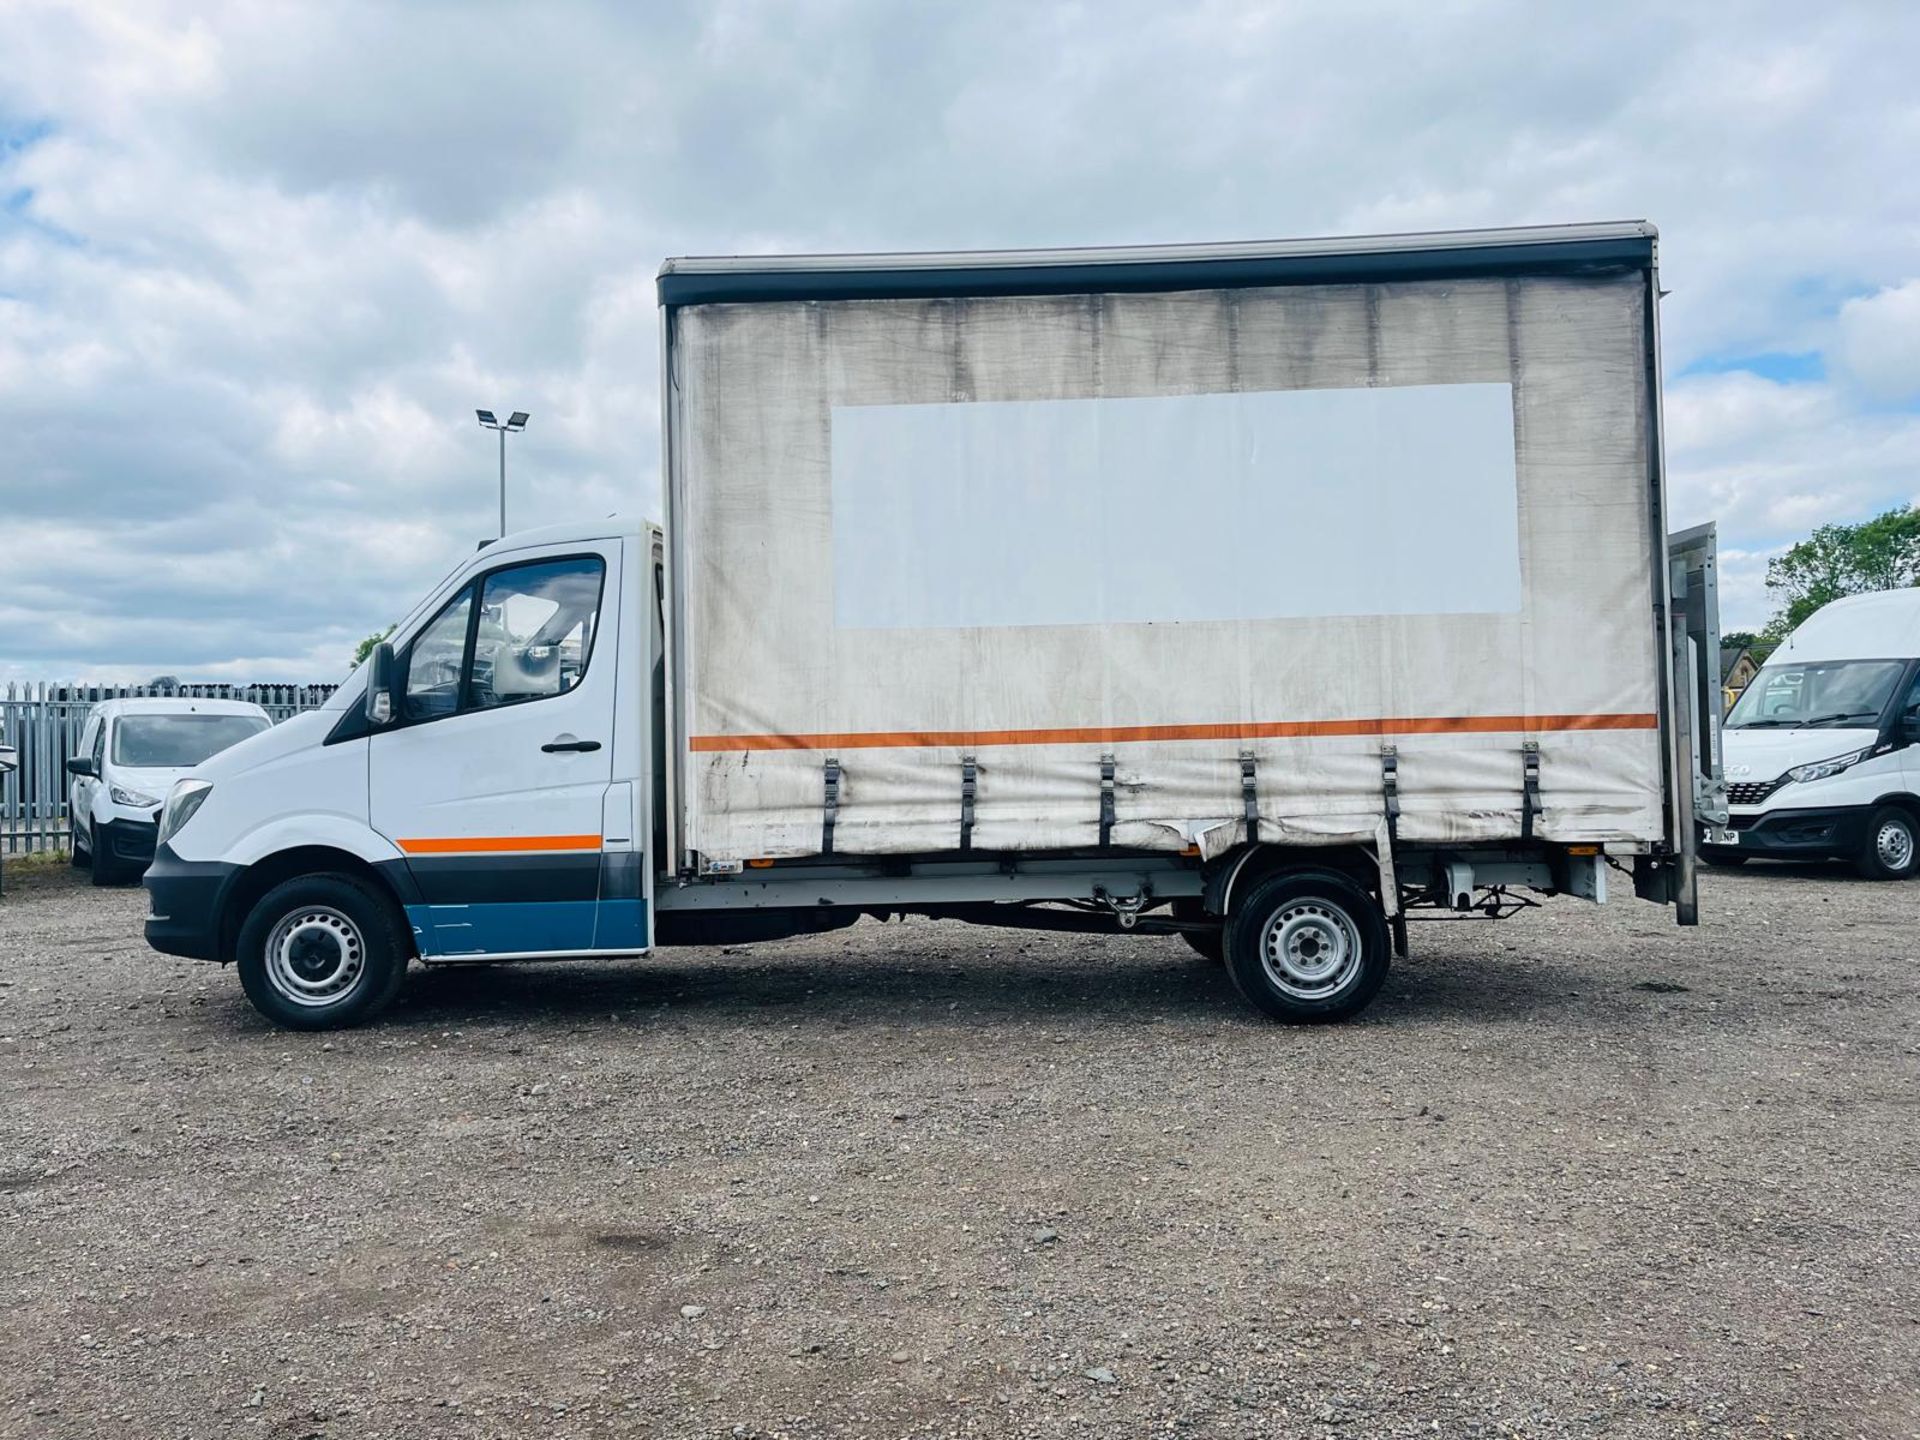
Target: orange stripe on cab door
x,y
477,844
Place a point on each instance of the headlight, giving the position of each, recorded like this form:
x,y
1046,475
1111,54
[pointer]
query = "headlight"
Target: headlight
x,y
183,802
132,799
1826,769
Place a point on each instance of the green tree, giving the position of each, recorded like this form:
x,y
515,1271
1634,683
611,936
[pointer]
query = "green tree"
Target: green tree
x,y
1878,554
365,648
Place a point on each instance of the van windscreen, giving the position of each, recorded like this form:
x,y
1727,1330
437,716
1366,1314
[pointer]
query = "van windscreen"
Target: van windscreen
x,y
174,742
1820,692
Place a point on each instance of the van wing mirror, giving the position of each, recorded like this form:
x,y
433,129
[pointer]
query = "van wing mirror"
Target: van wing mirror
x,y
83,765
1910,726
381,675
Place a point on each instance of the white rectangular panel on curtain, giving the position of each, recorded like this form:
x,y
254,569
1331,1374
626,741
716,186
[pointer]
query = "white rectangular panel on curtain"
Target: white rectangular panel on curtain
x,y
1381,500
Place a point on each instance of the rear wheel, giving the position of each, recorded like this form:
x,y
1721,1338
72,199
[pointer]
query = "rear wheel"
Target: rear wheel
x,y
77,856
321,951
1891,847
1209,945
1308,946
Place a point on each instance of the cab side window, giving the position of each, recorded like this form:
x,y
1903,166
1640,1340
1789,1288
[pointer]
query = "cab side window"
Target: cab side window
x,y
84,745
529,637
536,630
436,660
1910,710
99,746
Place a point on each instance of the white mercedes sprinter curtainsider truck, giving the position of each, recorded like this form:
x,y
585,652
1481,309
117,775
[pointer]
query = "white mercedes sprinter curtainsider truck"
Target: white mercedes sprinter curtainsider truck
x,y
1266,595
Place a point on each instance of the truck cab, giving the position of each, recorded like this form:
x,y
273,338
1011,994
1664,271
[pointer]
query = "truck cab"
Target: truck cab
x,y
490,806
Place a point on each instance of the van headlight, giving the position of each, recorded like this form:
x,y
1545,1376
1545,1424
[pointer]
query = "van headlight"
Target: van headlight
x,y
1827,769
183,803
132,799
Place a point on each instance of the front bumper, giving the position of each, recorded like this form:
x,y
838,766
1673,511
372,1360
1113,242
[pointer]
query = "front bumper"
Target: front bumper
x,y
128,842
186,901
1817,834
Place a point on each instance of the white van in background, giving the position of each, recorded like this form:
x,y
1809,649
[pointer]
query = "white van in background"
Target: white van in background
x,y
131,752
1820,753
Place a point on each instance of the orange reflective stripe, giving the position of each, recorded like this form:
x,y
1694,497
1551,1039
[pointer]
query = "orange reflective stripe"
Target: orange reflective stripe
x,y
473,844
1121,734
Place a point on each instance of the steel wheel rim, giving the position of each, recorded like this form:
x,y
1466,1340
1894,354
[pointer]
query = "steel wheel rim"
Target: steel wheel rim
x,y
1894,844
315,956
1310,950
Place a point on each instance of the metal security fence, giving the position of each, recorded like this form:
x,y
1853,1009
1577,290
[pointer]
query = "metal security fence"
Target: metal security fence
x,y
42,721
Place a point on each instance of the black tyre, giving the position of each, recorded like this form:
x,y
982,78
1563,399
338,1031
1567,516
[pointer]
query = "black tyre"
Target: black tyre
x,y
1890,850
1209,945
76,857
1308,946
106,871
1721,860
322,951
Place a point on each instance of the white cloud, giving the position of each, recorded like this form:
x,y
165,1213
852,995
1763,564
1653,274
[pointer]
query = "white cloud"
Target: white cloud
x,y
1880,341
1769,460
1742,584
259,264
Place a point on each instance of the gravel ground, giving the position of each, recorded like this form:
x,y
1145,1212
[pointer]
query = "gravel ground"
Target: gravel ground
x,y
1582,1173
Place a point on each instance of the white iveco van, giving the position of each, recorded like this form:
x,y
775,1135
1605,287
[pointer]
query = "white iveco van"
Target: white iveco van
x,y
1821,759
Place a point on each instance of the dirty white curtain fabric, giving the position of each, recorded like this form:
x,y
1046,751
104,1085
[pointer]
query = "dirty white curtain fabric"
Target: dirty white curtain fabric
x,y
1296,523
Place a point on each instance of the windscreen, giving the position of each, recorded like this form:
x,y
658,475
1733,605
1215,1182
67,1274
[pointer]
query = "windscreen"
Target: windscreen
x,y
1832,692
175,742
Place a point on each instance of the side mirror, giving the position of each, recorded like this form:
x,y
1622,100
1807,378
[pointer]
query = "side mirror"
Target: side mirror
x,y
381,671
83,765
1910,727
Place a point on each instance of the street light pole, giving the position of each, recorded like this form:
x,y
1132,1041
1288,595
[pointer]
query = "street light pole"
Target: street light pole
x,y
516,421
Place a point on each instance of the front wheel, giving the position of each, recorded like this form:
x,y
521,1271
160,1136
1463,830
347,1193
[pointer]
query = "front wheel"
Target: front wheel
x,y
322,951
106,870
1309,946
1889,851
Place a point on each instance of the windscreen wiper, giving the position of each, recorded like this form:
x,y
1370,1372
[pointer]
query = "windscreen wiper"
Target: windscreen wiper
x,y
1842,715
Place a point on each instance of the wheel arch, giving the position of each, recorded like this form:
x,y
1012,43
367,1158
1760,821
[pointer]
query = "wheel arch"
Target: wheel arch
x,y
1237,872
250,884
1900,800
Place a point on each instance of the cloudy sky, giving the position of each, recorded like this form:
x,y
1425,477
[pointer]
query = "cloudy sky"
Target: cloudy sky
x,y
260,262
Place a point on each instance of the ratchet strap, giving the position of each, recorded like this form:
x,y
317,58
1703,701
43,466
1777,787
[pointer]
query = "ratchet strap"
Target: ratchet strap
x,y
1390,790
969,786
832,805
1530,786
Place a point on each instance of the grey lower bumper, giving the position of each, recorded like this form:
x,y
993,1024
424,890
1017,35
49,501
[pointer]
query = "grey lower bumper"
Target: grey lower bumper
x,y
187,899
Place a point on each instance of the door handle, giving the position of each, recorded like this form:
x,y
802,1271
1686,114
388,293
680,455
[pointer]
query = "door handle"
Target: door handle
x,y
564,743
